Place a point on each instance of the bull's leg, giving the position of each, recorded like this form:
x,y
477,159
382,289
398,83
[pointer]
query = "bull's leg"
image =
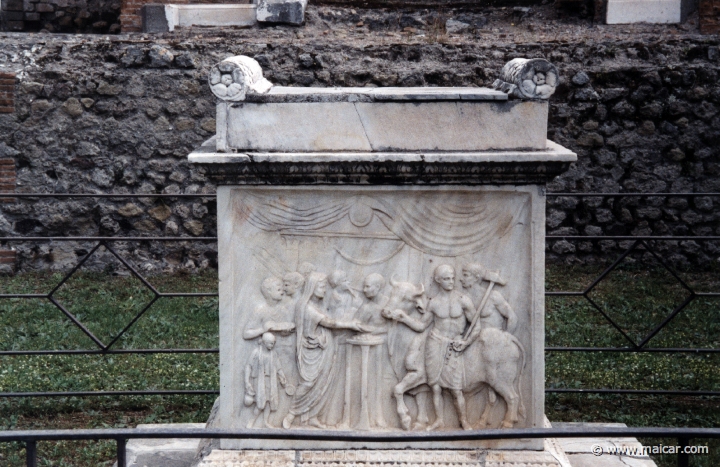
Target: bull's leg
x,y
502,383
489,404
411,380
422,418
459,399
438,406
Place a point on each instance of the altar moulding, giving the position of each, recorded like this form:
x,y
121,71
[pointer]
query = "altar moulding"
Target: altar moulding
x,y
381,255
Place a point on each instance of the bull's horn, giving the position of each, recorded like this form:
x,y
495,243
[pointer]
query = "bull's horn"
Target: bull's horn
x,y
394,282
421,289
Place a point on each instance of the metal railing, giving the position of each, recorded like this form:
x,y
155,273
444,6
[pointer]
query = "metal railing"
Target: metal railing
x,y
644,241
122,435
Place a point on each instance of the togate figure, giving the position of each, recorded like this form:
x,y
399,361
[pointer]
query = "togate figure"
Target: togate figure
x,y
316,352
458,355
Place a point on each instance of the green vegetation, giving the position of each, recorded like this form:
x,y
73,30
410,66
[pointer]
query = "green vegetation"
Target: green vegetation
x,y
636,299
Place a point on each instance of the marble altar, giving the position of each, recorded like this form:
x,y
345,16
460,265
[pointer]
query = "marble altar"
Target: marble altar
x,y
381,257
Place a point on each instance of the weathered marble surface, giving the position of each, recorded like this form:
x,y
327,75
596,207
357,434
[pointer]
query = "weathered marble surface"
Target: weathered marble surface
x,y
292,94
433,125
341,299
162,452
648,11
553,152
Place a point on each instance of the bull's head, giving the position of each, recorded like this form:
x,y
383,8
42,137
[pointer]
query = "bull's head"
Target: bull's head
x,y
406,297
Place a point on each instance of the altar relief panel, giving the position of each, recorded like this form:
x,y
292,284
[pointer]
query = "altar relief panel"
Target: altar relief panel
x,y
381,309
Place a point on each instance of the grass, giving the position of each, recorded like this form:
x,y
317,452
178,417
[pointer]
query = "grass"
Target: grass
x,y
635,296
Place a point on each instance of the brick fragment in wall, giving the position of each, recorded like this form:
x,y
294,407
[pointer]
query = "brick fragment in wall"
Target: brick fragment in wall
x,y
7,92
7,258
709,12
8,179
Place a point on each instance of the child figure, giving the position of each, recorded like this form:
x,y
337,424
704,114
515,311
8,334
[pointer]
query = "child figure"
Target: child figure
x,y
262,374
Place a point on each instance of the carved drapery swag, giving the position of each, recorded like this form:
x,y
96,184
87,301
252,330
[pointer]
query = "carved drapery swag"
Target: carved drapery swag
x,y
439,225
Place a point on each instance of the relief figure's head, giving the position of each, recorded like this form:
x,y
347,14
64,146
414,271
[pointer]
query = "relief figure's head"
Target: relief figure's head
x,y
445,277
374,284
472,273
292,282
338,280
268,340
272,289
318,281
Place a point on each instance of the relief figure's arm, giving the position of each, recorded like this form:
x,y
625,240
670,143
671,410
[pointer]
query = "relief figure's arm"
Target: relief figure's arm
x,y
254,329
417,325
249,390
508,313
353,325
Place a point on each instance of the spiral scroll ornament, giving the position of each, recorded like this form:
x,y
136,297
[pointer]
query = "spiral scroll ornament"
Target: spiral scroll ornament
x,y
235,77
534,78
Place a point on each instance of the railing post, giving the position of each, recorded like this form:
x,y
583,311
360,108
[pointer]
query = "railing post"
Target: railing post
x,y
683,457
31,453
121,461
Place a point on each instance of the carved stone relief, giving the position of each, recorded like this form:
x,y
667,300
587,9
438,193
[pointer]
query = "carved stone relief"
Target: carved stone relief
x,y
380,309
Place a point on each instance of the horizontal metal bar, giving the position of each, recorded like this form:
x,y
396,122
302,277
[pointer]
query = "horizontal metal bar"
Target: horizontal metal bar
x,y
214,239
24,295
213,195
391,437
179,392
632,349
653,392
109,195
621,195
563,294
204,392
108,239
187,294
632,237
162,294
7,353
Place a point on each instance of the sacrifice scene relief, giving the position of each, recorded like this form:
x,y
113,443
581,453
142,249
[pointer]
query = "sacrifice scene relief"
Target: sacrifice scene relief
x,y
375,313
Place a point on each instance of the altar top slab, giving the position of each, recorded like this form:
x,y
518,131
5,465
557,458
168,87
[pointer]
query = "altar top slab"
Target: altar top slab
x,y
206,154
286,94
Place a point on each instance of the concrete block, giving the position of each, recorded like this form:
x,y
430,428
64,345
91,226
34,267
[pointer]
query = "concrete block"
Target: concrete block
x,y
648,11
158,17
281,11
210,15
163,452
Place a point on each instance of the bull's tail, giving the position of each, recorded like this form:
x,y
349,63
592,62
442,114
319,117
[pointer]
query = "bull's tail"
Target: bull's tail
x,y
518,379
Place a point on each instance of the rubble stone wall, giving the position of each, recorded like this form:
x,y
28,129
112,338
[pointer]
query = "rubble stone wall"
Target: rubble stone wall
x,y
101,115
76,16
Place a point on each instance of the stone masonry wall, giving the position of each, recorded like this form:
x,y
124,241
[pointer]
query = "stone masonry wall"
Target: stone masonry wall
x,y
120,115
76,16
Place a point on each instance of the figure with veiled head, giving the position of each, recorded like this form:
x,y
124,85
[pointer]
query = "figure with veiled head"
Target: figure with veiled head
x,y
316,352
